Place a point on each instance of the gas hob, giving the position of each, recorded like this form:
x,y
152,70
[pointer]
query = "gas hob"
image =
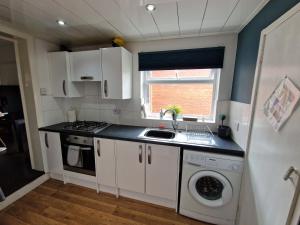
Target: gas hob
x,y
86,126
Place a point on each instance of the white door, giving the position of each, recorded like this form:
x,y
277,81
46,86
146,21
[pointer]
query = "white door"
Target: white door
x,y
51,146
59,71
130,166
162,171
86,65
112,73
272,153
105,162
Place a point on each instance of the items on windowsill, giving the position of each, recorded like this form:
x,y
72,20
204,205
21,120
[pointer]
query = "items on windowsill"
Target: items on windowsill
x,y
190,119
161,114
174,108
223,131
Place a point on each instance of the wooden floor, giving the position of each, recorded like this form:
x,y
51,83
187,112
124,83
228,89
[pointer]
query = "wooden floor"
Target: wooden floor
x,y
53,203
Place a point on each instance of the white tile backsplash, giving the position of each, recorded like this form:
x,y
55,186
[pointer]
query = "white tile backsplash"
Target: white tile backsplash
x,y
50,103
92,88
53,116
88,114
239,120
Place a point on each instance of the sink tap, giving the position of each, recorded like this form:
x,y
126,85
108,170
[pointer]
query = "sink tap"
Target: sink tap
x,y
174,117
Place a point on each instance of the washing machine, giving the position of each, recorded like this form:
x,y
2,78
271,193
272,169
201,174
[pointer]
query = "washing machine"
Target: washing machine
x,y
210,187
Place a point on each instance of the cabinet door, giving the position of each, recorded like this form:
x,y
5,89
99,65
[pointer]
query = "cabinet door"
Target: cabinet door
x,y
51,146
105,162
112,73
162,171
130,166
86,66
59,71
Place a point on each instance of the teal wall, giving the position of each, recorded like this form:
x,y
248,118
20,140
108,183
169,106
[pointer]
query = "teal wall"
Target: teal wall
x,y
247,48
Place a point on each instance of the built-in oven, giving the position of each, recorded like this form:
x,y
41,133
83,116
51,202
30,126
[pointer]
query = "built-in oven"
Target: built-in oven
x,y
78,154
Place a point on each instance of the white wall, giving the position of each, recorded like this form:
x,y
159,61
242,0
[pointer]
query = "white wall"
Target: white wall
x,y
52,112
8,67
92,107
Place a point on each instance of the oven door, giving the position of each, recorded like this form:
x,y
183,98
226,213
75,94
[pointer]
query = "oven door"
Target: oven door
x,y
79,158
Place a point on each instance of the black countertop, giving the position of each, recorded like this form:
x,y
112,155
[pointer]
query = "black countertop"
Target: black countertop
x,y
131,133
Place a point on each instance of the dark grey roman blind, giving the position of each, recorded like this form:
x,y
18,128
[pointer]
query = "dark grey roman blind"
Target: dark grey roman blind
x,y
199,58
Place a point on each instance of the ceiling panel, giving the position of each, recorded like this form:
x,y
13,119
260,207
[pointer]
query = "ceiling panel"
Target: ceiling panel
x,y
216,15
89,16
139,17
75,25
20,13
241,14
110,10
191,13
98,21
22,22
166,18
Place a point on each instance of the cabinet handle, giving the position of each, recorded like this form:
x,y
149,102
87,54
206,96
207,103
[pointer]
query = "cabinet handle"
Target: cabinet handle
x,y
46,140
105,88
140,154
149,155
64,87
87,78
98,148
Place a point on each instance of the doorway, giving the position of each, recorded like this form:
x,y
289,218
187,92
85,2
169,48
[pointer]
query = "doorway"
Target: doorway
x,y
15,159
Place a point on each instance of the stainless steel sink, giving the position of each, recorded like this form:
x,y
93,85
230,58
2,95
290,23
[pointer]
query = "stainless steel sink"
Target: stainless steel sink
x,y
163,134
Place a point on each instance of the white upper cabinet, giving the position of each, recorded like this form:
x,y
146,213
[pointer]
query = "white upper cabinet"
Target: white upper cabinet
x,y
86,65
162,171
60,76
117,73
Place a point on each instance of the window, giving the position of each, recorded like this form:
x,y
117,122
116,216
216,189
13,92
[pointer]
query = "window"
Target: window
x,y
194,91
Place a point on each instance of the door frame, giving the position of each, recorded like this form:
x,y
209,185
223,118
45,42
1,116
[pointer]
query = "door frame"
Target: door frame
x,y
23,100
259,61
19,38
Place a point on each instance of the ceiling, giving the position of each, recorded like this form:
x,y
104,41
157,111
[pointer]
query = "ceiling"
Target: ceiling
x,y
96,21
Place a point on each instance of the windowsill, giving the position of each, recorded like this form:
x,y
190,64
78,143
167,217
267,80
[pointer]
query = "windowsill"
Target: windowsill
x,y
206,121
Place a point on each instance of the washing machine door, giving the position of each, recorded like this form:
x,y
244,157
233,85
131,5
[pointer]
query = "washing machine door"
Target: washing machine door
x,y
210,188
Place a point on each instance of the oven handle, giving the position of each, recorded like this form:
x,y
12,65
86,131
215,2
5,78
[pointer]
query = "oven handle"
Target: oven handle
x,y
81,148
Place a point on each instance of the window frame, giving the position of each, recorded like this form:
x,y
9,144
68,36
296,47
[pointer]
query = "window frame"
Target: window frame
x,y
212,79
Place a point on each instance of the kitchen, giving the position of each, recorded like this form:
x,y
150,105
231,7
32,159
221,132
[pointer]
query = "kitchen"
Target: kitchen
x,y
112,121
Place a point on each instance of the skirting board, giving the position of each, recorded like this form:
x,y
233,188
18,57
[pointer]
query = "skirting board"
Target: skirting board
x,y
23,191
79,179
205,218
138,196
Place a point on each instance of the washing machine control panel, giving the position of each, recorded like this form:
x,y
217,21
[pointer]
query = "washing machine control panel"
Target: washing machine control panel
x,y
213,161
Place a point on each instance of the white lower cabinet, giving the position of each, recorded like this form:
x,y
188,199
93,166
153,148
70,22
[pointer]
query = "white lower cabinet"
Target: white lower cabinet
x,y
140,169
52,156
105,162
130,166
162,171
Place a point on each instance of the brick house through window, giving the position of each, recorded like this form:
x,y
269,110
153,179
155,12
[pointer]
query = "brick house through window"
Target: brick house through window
x,y
194,91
